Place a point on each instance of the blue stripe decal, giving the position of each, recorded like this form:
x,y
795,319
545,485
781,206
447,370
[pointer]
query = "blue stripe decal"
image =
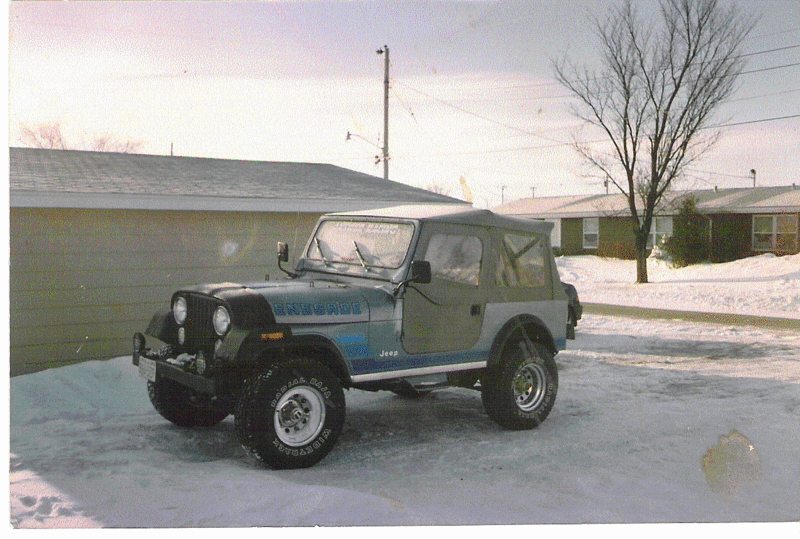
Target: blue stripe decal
x,y
371,366
352,339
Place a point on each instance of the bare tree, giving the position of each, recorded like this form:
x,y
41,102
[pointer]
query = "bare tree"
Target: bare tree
x,y
653,97
437,188
50,136
42,136
109,143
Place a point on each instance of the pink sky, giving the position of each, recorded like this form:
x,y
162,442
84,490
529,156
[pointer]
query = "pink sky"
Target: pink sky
x,y
472,88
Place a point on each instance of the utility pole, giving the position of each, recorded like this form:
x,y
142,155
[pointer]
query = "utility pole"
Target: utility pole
x,y
385,52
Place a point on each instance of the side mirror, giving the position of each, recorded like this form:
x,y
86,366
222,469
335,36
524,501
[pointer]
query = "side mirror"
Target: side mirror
x,y
283,252
283,256
420,271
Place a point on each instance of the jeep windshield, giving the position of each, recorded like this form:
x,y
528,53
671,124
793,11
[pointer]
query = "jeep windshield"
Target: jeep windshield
x,y
369,244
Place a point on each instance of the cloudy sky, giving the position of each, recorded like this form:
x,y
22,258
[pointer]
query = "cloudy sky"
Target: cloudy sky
x,y
472,89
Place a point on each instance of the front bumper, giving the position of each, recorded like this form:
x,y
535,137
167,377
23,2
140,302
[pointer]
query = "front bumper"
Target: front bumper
x,y
165,363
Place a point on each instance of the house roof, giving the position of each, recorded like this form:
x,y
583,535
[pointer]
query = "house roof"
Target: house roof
x,y
710,201
81,179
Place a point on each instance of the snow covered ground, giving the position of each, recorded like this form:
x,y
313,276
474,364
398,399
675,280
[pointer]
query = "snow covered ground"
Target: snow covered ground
x,y
656,421
764,285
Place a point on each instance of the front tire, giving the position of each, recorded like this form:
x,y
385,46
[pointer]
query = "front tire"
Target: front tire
x,y
519,392
183,406
290,416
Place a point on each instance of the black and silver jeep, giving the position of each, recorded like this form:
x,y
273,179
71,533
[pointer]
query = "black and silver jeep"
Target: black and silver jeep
x,y
405,299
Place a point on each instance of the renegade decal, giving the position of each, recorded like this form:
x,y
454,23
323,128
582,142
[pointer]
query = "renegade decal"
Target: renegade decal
x,y
316,309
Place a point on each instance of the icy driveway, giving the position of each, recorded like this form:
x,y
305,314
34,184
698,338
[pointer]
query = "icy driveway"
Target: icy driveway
x,y
640,405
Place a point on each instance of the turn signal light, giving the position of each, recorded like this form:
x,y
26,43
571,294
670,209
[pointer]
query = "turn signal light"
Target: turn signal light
x,y
275,336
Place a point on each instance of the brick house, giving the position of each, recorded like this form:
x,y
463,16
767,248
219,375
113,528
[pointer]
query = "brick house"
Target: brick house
x,y
747,220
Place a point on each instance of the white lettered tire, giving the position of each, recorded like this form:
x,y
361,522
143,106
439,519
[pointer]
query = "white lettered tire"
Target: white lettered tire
x,y
291,415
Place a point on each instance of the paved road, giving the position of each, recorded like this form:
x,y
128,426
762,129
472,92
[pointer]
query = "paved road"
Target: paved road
x,y
714,318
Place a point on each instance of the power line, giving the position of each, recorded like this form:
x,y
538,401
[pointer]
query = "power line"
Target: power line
x,y
471,113
769,50
769,68
793,90
762,120
781,32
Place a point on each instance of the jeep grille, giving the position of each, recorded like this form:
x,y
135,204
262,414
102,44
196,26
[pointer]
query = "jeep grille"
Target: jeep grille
x,y
200,334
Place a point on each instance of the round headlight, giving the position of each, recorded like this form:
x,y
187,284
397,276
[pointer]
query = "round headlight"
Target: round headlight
x,y
222,320
179,310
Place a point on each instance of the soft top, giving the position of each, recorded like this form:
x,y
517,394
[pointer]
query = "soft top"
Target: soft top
x,y
455,214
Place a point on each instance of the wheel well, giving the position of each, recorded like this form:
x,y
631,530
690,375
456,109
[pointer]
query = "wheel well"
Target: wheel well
x,y
318,350
530,326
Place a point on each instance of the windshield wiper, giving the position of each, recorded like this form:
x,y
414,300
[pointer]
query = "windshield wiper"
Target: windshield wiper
x,y
360,256
319,248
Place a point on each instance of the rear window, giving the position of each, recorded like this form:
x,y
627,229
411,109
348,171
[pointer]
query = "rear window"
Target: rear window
x,y
521,262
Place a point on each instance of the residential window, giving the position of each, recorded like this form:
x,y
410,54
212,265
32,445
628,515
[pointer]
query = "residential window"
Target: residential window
x,y
775,233
455,258
591,232
521,263
659,230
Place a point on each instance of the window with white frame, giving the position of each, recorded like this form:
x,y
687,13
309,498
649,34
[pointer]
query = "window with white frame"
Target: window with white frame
x,y
591,232
659,230
775,232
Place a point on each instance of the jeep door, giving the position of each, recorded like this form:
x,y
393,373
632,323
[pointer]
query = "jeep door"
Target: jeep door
x,y
447,313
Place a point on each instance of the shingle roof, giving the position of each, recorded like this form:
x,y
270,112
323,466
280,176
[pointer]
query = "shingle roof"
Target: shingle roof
x,y
710,201
63,178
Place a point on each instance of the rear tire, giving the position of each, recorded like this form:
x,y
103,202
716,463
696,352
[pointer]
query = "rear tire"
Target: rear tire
x,y
183,406
519,392
290,416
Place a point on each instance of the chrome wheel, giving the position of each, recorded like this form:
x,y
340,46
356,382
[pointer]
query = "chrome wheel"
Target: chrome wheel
x,y
299,416
530,387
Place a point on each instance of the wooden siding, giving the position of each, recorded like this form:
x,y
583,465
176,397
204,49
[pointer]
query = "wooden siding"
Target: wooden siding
x,y
83,281
616,238
731,236
572,237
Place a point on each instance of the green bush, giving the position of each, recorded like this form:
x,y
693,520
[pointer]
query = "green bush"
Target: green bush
x,y
689,241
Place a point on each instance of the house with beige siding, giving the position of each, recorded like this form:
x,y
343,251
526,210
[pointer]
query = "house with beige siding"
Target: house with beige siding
x,y
746,220
99,241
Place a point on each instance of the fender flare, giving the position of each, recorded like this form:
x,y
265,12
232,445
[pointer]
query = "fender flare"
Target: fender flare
x,y
533,326
162,326
248,346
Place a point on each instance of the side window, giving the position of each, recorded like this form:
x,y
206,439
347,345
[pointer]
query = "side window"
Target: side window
x,y
455,258
660,230
521,262
591,232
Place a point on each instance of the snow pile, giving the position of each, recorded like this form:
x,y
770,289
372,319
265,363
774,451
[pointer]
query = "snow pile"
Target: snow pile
x,y
655,421
764,285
